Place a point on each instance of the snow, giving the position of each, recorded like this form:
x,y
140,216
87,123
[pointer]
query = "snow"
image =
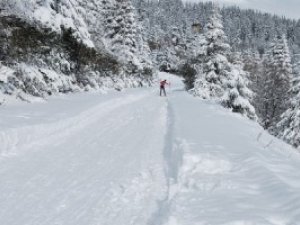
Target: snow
x,y
232,172
5,72
133,157
70,15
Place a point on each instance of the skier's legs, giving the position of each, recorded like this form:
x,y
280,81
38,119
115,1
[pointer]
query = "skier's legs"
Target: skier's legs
x,y
164,90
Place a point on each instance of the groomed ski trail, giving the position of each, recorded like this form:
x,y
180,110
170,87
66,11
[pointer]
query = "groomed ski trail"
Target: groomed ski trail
x,y
102,166
225,169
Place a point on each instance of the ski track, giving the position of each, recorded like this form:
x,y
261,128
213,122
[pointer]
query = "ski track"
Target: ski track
x,y
81,170
27,136
137,159
243,179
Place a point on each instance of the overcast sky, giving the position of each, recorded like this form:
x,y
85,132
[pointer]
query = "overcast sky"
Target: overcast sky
x,y
288,8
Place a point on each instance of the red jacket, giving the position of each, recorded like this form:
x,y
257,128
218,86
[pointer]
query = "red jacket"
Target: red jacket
x,y
163,83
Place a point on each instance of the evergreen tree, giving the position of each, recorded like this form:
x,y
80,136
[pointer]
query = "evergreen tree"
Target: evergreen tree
x,y
176,50
219,78
195,52
216,68
296,34
237,95
172,10
253,65
274,84
121,29
289,126
122,36
195,47
296,66
144,52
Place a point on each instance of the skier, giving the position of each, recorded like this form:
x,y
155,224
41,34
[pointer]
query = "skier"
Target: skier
x,y
163,83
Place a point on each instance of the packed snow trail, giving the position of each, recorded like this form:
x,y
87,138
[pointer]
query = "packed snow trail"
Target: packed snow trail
x,y
102,165
134,158
224,169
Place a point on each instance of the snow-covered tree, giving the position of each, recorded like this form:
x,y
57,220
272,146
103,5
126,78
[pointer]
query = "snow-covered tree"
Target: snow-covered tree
x,y
172,10
195,52
195,44
275,83
296,66
176,50
219,78
121,34
216,68
123,37
237,95
253,65
289,127
142,41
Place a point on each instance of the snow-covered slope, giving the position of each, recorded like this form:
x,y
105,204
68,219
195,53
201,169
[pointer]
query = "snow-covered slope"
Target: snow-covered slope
x,y
136,158
53,14
228,169
57,46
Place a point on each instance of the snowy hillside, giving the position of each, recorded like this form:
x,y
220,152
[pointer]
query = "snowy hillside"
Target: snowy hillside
x,y
140,159
51,46
52,14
